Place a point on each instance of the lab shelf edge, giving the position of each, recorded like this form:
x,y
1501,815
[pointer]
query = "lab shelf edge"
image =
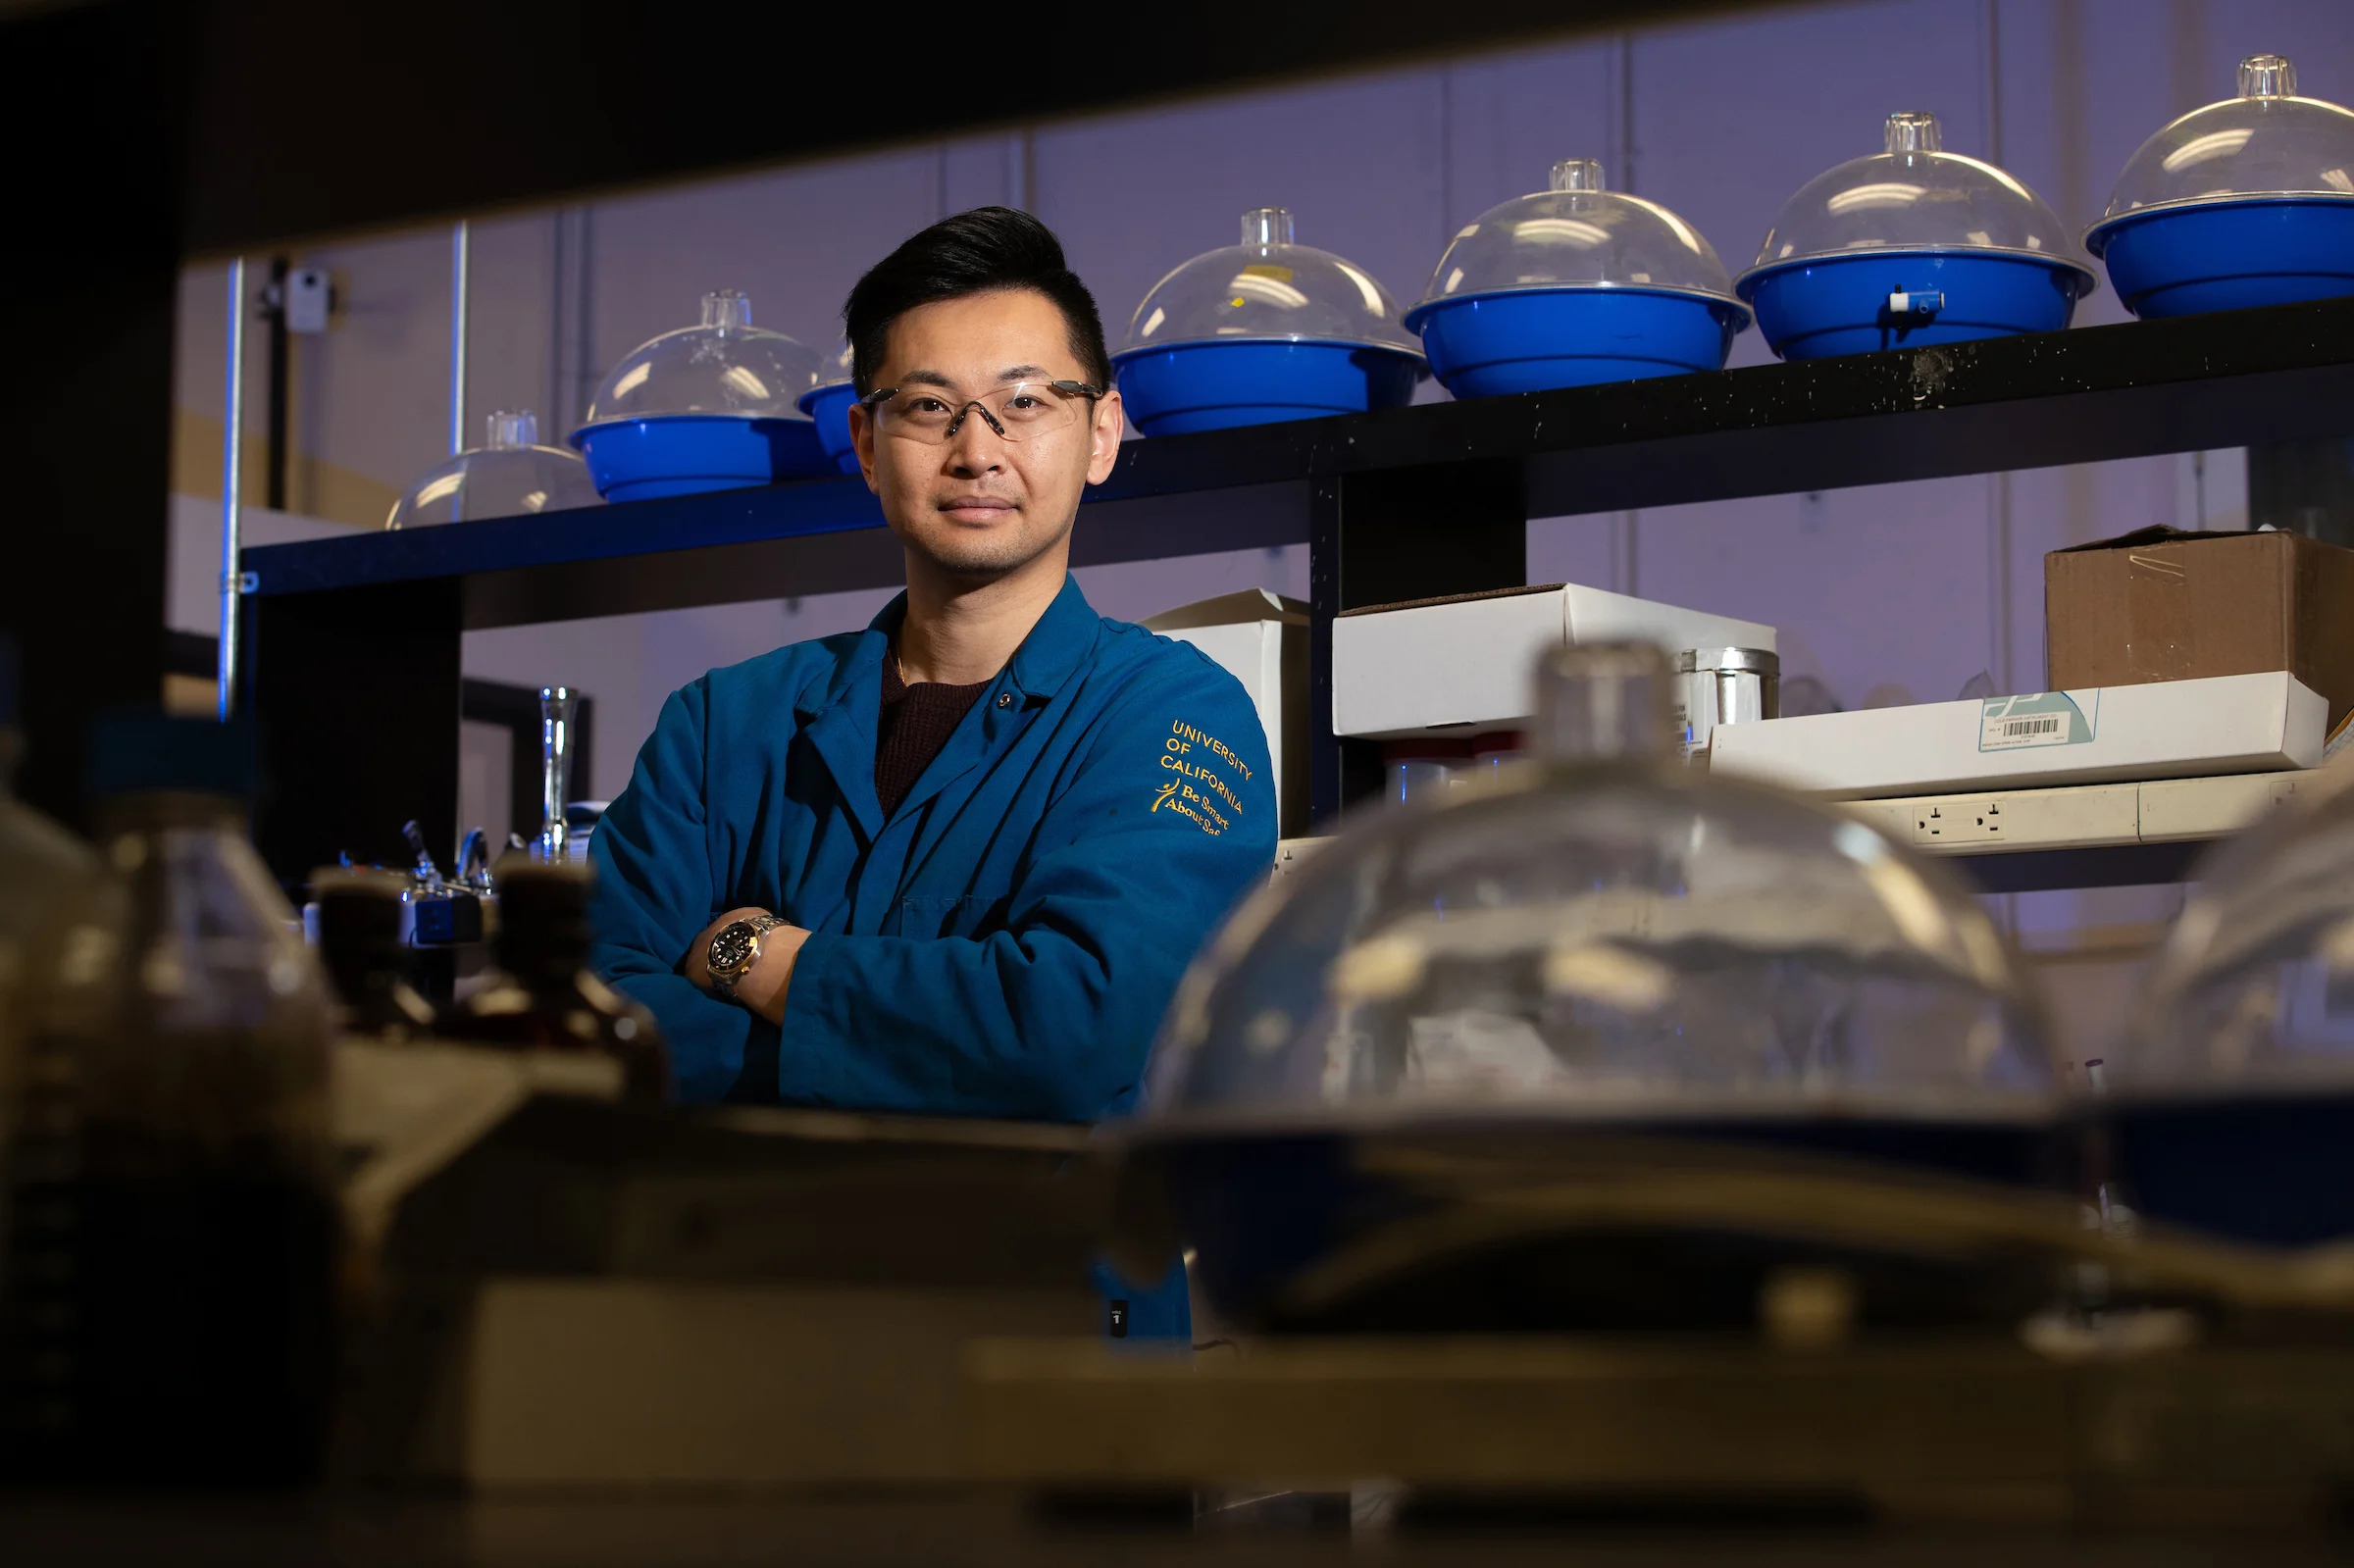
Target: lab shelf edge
x,y
2091,394
1409,503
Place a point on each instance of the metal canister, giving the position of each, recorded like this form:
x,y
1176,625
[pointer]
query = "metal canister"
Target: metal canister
x,y
1725,685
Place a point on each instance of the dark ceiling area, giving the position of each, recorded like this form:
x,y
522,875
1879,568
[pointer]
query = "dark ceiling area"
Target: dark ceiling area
x,y
311,117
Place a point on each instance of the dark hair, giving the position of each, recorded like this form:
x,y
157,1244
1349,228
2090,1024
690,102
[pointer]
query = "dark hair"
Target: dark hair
x,y
986,251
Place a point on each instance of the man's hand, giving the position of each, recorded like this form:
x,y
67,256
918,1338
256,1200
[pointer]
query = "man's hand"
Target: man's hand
x,y
762,987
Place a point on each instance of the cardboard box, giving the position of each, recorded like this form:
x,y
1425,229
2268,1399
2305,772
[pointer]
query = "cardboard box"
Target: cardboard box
x,y
2162,604
1262,640
2178,730
1465,663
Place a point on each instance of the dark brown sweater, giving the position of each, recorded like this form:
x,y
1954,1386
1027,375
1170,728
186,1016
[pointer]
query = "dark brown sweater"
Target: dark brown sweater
x,y
915,722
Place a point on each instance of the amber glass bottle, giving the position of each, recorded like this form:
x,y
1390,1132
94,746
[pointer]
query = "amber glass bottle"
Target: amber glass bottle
x,y
359,941
543,995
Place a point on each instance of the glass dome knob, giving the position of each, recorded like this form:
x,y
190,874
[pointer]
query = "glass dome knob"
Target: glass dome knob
x,y
727,307
1604,700
508,429
1577,174
1268,226
2267,77
1912,130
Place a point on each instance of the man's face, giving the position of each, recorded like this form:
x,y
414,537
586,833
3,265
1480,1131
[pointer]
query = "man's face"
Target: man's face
x,y
979,504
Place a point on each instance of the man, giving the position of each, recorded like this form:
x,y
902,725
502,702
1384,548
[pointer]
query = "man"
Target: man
x,y
954,863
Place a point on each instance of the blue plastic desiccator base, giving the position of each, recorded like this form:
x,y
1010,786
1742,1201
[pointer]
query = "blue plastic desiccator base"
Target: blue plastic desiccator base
x,y
2268,1168
828,409
1812,310
2230,256
1262,1208
1215,386
1529,340
686,454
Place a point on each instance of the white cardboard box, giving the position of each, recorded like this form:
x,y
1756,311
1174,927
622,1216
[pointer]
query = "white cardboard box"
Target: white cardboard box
x,y
2164,730
1262,640
1466,663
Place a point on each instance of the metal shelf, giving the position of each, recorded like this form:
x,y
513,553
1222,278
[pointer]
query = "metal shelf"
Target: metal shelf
x,y
2100,393
1405,504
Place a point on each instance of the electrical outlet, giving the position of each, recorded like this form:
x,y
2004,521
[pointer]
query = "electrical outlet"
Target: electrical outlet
x,y
2074,815
1958,818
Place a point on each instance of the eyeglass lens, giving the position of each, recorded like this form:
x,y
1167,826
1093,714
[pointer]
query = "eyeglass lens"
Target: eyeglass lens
x,y
1021,411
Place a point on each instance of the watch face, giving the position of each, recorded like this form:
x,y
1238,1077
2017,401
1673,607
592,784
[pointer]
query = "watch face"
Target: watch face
x,y
733,947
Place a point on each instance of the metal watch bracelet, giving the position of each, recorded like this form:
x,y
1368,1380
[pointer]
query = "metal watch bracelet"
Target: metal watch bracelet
x,y
724,986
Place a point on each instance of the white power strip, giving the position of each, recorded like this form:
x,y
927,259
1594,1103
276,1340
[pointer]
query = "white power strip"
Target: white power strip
x,y
2083,816
1990,822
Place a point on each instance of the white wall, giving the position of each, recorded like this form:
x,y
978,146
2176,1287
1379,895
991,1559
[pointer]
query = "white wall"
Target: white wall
x,y
1893,593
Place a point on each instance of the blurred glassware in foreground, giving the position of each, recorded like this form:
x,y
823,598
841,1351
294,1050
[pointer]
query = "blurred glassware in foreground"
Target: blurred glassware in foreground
x,y
2242,203
1260,332
1912,246
1598,956
710,407
2229,1105
543,996
173,1267
1573,285
53,903
510,474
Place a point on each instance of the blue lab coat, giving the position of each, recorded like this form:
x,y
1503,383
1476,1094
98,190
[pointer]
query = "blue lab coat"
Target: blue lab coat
x,y
1006,942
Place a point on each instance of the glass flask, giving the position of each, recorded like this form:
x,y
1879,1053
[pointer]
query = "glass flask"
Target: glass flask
x,y
544,995
1573,285
179,1239
2242,203
710,407
2229,1107
1458,1070
359,942
510,474
1264,330
1913,245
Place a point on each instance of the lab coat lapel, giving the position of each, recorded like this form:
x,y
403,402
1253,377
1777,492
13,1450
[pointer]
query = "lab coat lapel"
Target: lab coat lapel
x,y
839,722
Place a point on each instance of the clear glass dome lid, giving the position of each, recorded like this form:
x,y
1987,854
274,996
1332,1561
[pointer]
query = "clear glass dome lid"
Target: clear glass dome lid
x,y
836,370
1602,933
1269,289
726,366
2264,142
1579,234
2254,989
1917,196
509,475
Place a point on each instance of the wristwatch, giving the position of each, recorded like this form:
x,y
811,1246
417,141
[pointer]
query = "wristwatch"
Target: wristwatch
x,y
735,949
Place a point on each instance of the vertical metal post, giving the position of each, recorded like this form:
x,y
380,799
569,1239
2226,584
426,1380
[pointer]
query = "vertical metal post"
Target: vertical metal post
x,y
458,247
232,440
557,707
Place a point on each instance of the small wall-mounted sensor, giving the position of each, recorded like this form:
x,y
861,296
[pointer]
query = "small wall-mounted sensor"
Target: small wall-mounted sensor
x,y
308,296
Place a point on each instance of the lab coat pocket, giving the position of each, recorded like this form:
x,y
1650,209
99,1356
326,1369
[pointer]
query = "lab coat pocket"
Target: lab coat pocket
x,y
965,915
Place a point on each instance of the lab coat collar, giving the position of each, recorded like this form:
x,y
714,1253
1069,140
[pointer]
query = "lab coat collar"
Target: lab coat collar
x,y
839,717
1060,641
1064,637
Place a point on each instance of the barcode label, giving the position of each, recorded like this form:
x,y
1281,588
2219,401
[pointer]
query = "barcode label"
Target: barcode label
x,y
2046,719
